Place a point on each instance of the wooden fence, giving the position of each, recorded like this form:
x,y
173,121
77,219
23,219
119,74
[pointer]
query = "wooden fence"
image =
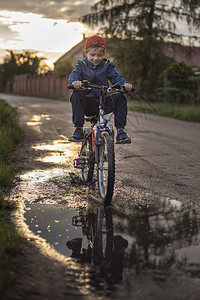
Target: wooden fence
x,y
42,85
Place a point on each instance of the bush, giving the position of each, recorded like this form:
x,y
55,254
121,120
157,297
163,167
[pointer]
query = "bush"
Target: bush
x,y
178,75
173,95
63,69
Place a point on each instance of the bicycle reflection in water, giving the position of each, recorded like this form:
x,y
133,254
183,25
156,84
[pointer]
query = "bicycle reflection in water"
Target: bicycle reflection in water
x,y
105,251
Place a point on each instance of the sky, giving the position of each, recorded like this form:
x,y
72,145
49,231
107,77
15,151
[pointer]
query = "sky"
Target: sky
x,y
49,27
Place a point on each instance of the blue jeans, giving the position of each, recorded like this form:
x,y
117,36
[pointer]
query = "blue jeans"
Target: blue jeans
x,y
85,106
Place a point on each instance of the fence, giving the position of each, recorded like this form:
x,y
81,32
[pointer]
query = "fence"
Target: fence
x,y
42,85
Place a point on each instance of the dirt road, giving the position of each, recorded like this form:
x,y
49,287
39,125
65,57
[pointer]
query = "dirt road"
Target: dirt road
x,y
163,161
163,157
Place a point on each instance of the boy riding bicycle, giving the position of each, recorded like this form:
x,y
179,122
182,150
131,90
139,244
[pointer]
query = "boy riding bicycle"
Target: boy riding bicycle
x,y
97,69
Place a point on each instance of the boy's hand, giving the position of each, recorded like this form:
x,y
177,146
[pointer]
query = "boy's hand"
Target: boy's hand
x,y
128,87
76,84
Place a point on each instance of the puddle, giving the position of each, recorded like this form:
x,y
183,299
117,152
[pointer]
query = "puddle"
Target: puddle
x,y
54,224
38,120
58,152
163,236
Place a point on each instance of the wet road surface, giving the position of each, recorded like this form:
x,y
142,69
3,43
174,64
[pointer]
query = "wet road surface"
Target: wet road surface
x,y
154,242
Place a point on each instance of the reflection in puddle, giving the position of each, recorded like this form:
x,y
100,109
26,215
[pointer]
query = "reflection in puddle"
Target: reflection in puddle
x,y
52,223
159,238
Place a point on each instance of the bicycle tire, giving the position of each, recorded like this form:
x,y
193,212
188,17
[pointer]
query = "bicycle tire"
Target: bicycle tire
x,y
106,167
103,242
88,171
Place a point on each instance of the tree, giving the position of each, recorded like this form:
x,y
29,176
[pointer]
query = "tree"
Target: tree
x,y
16,63
8,69
63,68
149,22
144,18
129,59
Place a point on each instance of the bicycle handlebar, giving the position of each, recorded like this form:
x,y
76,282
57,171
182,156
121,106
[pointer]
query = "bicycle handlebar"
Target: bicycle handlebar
x,y
87,85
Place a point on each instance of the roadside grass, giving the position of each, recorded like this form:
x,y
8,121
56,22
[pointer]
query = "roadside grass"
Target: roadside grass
x,y
59,98
181,111
10,241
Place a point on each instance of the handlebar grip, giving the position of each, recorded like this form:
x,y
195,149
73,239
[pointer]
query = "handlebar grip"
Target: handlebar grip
x,y
70,87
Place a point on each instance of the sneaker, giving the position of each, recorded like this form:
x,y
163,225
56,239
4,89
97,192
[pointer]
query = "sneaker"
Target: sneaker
x,y
119,243
122,137
75,245
77,135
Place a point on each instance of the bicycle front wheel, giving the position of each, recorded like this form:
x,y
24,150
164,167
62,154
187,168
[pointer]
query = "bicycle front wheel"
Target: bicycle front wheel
x,y
103,241
106,167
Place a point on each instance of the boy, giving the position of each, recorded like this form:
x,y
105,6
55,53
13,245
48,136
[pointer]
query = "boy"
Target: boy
x,y
97,69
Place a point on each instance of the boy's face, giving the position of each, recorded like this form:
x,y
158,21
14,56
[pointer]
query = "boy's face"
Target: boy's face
x,y
95,55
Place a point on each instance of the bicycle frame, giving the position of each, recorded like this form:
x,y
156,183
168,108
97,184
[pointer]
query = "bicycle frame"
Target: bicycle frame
x,y
102,124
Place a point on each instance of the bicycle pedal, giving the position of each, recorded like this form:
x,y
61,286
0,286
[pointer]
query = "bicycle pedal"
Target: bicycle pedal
x,y
79,163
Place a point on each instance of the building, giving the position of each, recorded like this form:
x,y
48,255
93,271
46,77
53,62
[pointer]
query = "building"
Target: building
x,y
73,54
190,55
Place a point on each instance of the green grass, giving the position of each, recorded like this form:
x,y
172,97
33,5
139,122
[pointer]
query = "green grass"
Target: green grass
x,y
10,241
6,174
181,112
10,244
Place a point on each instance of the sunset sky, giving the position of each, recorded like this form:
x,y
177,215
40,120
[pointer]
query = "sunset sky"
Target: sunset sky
x,y
49,27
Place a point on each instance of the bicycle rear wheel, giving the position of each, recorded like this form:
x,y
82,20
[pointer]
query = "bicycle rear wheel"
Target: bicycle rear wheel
x,y
88,170
106,167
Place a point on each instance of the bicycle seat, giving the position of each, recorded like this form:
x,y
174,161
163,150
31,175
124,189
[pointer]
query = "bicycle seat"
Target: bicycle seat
x,y
91,119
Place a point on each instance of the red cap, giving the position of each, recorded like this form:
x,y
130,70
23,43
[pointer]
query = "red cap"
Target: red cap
x,y
95,41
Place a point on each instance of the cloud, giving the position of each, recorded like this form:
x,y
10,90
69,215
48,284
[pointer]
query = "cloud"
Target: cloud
x,y
7,33
24,31
44,25
56,9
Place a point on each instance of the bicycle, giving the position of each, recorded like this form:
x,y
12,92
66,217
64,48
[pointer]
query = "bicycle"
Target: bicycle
x,y
105,251
98,228
98,144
